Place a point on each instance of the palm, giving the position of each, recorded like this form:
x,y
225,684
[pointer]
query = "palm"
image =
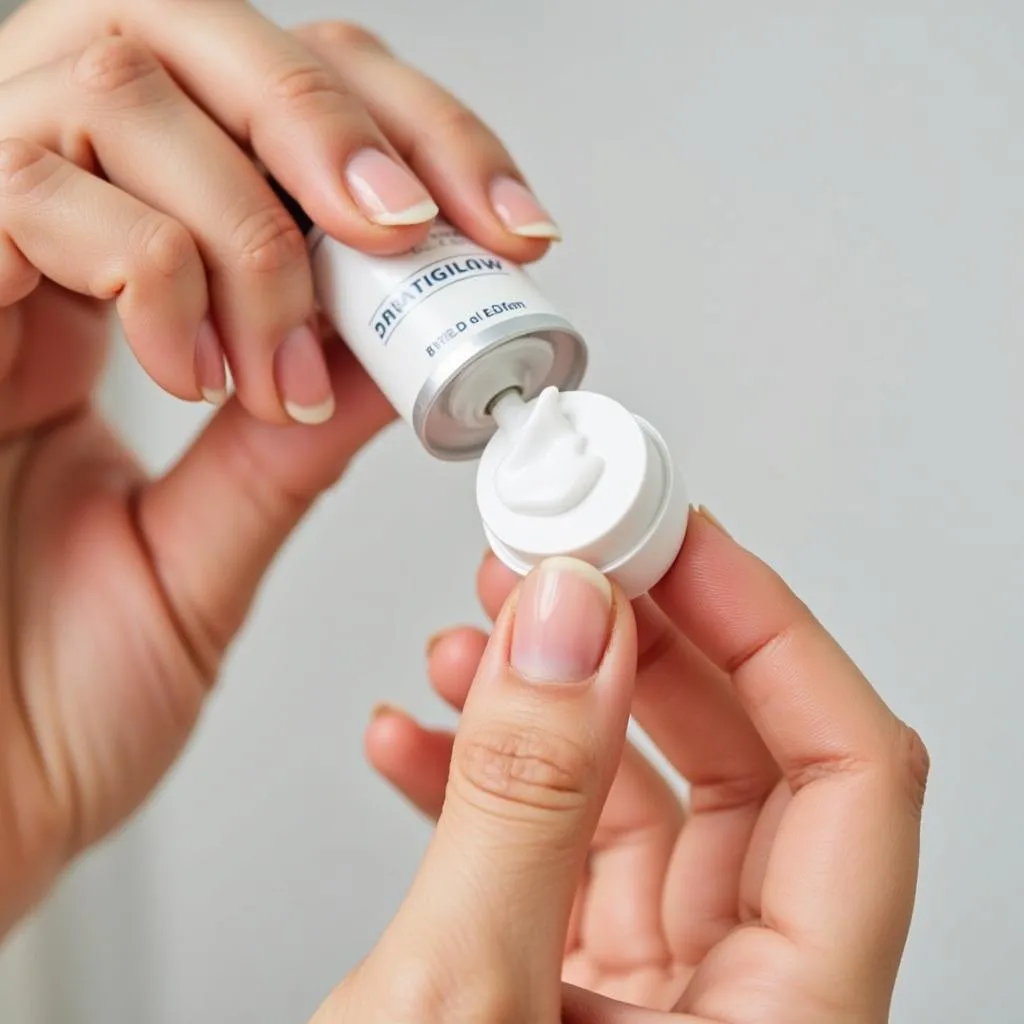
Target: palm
x,y
96,692
119,594
679,908
676,910
636,938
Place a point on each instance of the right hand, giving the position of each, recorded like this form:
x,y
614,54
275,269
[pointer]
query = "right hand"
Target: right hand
x,y
781,894
126,176
127,135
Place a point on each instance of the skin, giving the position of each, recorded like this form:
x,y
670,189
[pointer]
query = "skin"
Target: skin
x,y
580,891
112,625
783,890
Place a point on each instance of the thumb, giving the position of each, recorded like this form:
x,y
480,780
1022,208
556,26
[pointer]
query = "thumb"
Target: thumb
x,y
536,752
213,524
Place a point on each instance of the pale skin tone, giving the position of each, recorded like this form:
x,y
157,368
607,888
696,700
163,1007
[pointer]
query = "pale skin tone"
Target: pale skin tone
x,y
119,594
127,188
783,892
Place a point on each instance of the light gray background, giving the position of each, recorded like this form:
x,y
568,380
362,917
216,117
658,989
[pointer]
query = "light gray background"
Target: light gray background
x,y
794,237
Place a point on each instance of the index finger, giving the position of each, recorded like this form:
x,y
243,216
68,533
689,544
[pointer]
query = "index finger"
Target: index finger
x,y
843,868
272,93
269,91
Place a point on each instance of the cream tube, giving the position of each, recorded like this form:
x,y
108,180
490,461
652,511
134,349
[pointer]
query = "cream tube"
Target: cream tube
x,y
481,365
443,329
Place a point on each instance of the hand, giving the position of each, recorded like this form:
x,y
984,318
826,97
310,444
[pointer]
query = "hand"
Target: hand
x,y
126,182
782,893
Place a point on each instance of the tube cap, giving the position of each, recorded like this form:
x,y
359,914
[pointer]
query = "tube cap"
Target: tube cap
x,y
632,523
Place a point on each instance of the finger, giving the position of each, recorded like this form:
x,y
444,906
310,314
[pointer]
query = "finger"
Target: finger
x,y
494,582
622,925
416,761
686,706
684,703
43,383
580,1006
841,877
759,851
413,759
18,279
116,108
155,143
215,521
460,160
541,736
453,658
318,140
619,920
36,33
93,239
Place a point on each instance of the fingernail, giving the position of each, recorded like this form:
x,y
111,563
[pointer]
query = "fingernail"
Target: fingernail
x,y
519,211
562,622
303,381
211,370
435,639
388,193
382,709
706,513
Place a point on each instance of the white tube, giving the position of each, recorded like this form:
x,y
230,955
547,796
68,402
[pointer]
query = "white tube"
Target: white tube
x,y
462,343
443,329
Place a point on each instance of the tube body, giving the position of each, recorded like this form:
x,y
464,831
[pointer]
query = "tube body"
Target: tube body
x,y
443,330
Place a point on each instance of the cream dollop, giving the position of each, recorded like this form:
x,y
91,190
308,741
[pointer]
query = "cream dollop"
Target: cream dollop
x,y
548,469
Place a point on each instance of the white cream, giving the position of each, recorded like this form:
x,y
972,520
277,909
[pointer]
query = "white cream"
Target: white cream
x,y
575,473
548,469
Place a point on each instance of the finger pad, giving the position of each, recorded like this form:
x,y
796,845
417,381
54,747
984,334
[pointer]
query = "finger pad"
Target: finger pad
x,y
453,663
495,581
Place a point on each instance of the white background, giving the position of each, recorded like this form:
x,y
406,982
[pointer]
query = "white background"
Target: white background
x,y
795,241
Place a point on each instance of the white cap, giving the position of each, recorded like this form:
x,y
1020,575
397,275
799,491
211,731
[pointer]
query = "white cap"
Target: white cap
x,y
629,524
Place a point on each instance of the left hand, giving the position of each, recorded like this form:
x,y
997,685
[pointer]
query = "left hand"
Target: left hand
x,y
128,130
781,895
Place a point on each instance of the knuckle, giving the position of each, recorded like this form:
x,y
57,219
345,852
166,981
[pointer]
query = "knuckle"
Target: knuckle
x,y
449,123
911,765
26,169
116,65
815,766
304,83
343,35
525,766
450,119
727,794
267,240
163,245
